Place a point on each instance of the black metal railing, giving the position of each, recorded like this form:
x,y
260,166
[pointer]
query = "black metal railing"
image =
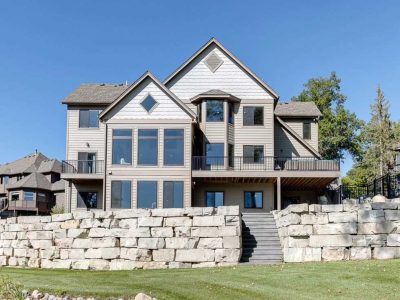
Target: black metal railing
x,y
82,166
265,163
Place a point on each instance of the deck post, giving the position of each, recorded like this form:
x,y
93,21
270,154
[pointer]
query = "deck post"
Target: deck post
x,y
278,193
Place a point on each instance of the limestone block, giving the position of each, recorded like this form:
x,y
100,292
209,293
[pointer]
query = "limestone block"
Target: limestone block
x,y
194,255
93,253
205,231
210,264
99,264
181,243
332,207
128,223
80,264
228,231
232,221
150,221
131,213
162,232
49,253
384,205
100,214
360,253
317,218
60,233
193,211
227,255
365,206
56,264
179,265
61,217
376,228
19,252
301,254
298,208
315,208
228,210
35,226
178,222
79,215
168,212
108,242
350,207
77,233
29,219
90,223
123,264
3,261
8,235
99,232
33,263
11,220
70,224
335,253
32,253
339,228
367,216
17,227
155,265
290,219
151,243
136,254
76,253
12,261
164,255
393,240
210,243
63,243
81,243
8,251
392,215
139,232
21,235
369,240
208,221
39,235
297,242
128,242
118,232
378,198
52,226
342,217
231,242
209,211
20,243
385,253
342,240
300,230
110,253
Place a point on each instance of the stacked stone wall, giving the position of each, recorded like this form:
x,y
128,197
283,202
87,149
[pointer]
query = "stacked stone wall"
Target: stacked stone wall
x,y
124,240
339,232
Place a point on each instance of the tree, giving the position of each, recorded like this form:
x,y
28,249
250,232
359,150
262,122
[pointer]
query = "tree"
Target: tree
x,y
338,128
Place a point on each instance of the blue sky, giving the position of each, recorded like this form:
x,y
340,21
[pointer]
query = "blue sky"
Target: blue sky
x,y
47,48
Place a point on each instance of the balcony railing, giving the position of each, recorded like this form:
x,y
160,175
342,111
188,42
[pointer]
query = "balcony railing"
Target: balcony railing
x,y
82,166
266,163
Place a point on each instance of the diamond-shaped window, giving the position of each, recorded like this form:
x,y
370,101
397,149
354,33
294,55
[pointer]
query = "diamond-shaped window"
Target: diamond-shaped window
x,y
213,62
148,103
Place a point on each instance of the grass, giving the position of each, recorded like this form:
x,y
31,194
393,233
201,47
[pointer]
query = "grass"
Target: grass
x,y
338,280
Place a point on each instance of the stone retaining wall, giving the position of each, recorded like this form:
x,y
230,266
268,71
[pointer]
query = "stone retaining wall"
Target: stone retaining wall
x,y
339,232
123,240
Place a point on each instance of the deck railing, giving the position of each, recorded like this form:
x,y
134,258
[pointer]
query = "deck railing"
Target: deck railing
x,y
82,166
266,163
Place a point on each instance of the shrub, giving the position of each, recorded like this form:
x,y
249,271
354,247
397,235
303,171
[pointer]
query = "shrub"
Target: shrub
x,y
10,290
57,210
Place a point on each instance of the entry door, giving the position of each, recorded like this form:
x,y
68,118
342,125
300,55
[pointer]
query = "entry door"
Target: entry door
x,y
87,162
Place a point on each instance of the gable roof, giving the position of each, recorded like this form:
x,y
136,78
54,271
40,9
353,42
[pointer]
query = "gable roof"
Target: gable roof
x,y
218,94
32,181
48,166
27,164
149,75
213,41
95,93
297,137
297,109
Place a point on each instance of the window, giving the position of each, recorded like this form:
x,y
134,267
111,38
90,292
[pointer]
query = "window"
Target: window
x,y
231,153
28,196
173,194
41,197
121,194
307,131
87,200
253,154
215,111
88,118
231,116
148,103
173,147
253,115
86,162
5,180
215,154
122,147
253,200
147,194
14,196
148,147
214,199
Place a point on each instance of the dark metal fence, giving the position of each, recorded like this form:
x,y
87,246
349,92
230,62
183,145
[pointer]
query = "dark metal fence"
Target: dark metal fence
x,y
82,166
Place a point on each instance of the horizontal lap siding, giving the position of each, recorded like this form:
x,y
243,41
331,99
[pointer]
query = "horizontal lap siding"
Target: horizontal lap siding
x,y
297,126
231,134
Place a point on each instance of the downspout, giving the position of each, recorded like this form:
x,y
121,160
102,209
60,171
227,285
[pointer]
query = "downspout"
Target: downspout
x,y
105,168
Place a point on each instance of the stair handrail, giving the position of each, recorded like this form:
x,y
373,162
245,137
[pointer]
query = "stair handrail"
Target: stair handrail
x,y
3,204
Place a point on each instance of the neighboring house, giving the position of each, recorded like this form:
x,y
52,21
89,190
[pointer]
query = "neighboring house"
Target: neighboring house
x,y
213,133
30,185
397,159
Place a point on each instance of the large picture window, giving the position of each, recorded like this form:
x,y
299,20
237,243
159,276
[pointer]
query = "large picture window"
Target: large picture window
x,y
147,194
88,118
214,199
215,110
253,115
253,200
88,200
307,131
173,194
29,196
14,196
148,147
215,154
253,154
173,147
122,147
121,194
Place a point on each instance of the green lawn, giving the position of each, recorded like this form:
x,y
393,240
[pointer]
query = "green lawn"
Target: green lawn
x,y
362,280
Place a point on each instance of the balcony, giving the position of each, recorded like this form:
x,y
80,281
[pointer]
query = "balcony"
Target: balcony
x,y
264,166
82,169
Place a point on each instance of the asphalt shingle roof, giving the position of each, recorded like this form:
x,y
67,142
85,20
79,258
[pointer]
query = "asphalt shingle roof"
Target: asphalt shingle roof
x,y
297,109
51,165
95,93
32,181
27,164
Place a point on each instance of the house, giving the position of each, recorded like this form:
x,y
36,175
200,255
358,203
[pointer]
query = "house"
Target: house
x,y
212,133
397,159
30,185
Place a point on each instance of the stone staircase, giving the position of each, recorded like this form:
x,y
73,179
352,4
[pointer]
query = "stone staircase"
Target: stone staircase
x,y
260,239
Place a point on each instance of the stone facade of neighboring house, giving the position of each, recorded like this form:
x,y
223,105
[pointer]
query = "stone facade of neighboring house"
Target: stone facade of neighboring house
x,y
31,185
